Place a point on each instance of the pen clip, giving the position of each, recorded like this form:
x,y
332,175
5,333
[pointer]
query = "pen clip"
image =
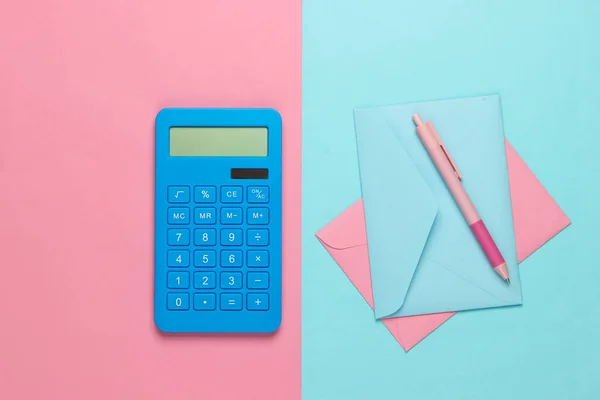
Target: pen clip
x,y
439,140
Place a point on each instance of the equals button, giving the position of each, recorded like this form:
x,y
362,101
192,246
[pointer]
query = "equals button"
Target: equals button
x,y
231,301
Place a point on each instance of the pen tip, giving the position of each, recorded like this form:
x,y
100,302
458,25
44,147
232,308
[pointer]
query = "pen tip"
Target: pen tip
x,y
508,280
417,119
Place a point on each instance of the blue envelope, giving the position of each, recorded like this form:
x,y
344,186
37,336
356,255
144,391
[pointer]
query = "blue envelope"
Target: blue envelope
x,y
423,256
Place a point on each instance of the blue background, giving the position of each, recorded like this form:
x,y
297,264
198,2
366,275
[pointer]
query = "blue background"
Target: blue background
x,y
543,58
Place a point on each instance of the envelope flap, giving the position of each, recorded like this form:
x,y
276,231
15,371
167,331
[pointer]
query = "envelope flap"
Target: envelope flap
x,y
399,210
347,230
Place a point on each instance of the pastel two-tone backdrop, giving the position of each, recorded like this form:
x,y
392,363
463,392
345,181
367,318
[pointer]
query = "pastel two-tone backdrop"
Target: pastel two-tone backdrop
x,y
80,85
541,58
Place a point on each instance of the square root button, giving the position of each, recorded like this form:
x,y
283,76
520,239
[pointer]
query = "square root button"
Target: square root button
x,y
179,194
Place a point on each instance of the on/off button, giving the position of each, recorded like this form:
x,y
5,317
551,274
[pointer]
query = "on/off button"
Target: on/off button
x,y
231,194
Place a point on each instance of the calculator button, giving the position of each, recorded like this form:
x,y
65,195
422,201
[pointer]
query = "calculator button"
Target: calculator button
x,y
205,258
258,194
205,237
231,301
258,237
231,237
231,280
178,258
257,280
231,194
205,280
231,216
178,280
178,301
231,258
205,194
178,237
178,194
205,301
205,216
178,216
258,216
258,259
257,302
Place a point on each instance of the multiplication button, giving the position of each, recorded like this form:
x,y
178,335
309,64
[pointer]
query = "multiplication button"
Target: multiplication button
x,y
258,258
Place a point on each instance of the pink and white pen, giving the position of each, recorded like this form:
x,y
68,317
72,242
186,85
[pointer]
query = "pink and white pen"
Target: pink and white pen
x,y
442,160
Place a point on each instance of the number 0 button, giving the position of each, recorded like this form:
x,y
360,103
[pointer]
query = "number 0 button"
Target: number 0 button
x,y
178,301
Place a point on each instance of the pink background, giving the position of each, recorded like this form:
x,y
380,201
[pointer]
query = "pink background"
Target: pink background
x,y
80,85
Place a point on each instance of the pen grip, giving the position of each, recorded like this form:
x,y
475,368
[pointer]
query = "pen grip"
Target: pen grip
x,y
487,243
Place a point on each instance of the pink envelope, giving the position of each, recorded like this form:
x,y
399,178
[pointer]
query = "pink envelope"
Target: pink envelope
x,y
537,218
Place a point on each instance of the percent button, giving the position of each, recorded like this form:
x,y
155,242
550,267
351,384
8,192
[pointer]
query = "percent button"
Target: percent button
x,y
205,194
258,194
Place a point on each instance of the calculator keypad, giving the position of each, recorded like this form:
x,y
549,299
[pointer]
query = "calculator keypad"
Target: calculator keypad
x,y
222,234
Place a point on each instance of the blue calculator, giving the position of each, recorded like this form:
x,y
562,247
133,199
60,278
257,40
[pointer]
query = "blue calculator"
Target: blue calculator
x,y
218,222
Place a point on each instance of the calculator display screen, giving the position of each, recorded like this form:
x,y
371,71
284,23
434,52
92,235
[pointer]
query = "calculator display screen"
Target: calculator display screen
x,y
218,141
